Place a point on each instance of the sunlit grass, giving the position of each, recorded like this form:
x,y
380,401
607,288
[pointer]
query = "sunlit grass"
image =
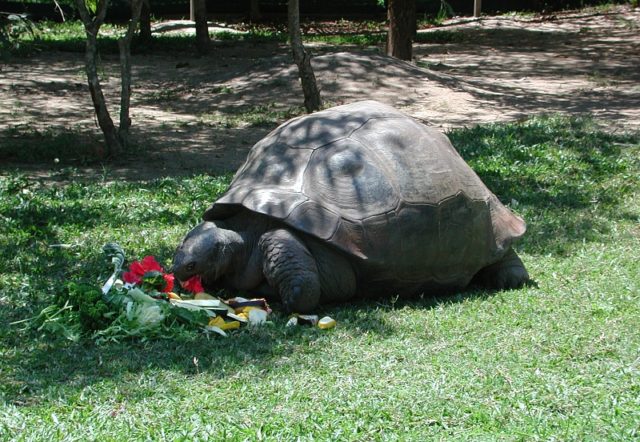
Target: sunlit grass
x,y
554,362
570,179
70,36
256,116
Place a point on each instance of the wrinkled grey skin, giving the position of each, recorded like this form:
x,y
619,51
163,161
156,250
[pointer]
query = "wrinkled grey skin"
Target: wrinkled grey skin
x,y
354,201
251,253
209,251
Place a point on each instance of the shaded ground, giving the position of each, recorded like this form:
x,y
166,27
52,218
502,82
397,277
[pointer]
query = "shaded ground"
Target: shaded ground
x,y
201,114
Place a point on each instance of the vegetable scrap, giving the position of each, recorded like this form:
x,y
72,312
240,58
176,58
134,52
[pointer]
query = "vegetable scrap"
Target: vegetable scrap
x,y
297,319
324,323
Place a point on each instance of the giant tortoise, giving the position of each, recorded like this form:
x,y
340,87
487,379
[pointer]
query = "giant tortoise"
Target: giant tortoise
x,y
352,202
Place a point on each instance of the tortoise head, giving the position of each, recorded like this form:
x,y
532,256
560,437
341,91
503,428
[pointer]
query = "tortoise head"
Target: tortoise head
x,y
205,251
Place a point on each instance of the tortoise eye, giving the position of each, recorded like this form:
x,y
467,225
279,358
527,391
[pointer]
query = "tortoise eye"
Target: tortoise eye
x,y
191,266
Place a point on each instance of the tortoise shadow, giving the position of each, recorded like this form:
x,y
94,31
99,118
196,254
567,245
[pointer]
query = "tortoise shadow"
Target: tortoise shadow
x,y
77,365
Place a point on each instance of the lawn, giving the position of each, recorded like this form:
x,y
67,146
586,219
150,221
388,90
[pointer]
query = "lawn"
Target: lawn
x,y
556,361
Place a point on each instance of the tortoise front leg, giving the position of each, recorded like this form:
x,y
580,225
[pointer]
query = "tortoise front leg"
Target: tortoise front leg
x,y
291,270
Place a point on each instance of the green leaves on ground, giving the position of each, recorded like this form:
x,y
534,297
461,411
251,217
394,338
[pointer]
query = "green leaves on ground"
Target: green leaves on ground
x,y
86,299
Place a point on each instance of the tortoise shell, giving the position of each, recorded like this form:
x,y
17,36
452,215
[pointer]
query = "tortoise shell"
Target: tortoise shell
x,y
379,186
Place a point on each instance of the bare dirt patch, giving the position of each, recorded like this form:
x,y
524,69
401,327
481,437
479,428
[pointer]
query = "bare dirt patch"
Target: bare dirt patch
x,y
201,114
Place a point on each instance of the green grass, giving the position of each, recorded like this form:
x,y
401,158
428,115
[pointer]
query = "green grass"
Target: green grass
x,y
570,180
253,116
559,361
70,36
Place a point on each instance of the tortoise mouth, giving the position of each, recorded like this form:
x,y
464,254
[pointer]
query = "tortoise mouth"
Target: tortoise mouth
x,y
193,284
209,278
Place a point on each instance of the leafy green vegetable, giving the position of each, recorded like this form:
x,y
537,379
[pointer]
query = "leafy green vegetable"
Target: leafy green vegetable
x,y
188,316
143,315
93,312
140,296
117,311
55,320
116,254
153,281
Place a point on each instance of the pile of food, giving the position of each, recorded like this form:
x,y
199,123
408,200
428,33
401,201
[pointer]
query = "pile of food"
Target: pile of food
x,y
144,301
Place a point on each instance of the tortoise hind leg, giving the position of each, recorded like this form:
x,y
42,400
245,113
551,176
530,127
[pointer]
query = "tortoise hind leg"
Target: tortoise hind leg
x,y
508,273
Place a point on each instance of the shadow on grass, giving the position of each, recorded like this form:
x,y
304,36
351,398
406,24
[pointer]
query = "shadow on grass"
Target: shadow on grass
x,y
25,144
160,44
40,363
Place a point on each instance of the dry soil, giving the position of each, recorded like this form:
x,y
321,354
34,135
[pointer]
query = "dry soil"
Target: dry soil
x,y
189,112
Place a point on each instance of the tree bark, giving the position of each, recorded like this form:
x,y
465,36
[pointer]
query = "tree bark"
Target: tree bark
x,y
402,28
254,10
477,7
145,23
202,27
124,45
92,26
312,100
116,139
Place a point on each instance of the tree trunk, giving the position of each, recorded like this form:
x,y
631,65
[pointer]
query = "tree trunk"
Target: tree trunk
x,y
312,100
254,10
92,26
477,7
116,139
124,45
402,28
202,27
145,23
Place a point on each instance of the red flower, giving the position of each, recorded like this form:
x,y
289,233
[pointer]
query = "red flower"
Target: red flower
x,y
193,284
168,277
138,269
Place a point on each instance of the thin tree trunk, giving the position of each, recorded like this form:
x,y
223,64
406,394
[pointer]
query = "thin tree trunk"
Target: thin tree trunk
x,y
402,28
116,139
254,10
92,26
202,27
312,100
477,8
145,23
124,44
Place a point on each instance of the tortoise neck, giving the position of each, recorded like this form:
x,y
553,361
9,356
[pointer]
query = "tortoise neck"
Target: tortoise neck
x,y
245,268
249,227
